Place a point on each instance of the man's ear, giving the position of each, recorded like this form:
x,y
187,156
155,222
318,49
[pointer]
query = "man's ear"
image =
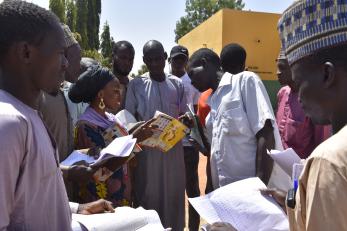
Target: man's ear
x,y
24,51
329,74
165,55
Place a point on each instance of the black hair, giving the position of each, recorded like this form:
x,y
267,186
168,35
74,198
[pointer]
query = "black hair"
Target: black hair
x,y
89,84
124,43
205,53
24,21
233,58
86,63
152,44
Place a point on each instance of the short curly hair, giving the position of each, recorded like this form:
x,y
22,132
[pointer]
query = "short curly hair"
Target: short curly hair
x,y
24,21
205,53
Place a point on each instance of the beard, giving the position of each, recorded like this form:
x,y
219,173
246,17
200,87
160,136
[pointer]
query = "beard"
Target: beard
x,y
118,71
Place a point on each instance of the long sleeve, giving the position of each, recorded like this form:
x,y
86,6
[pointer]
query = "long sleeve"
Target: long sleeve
x,y
182,99
321,198
131,101
256,102
13,132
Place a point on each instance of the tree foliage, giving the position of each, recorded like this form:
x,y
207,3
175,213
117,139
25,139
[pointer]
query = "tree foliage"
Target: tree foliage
x,y
81,23
106,42
58,7
71,14
143,69
93,23
197,11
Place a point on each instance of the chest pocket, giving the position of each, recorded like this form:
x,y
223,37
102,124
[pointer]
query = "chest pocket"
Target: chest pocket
x,y
234,120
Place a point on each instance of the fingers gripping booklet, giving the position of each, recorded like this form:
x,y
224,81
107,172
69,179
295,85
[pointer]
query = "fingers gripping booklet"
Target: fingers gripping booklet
x,y
109,159
168,132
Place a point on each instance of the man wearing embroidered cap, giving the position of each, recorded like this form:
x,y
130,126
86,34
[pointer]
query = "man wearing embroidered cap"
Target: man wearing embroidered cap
x,y
54,106
56,112
314,35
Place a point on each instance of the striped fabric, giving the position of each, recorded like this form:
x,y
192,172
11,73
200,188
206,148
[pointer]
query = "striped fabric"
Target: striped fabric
x,y
311,25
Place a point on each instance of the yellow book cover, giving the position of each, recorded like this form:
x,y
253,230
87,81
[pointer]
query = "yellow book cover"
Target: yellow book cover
x,y
168,133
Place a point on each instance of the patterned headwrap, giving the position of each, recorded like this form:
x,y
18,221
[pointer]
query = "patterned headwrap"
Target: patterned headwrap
x,y
69,38
308,26
89,83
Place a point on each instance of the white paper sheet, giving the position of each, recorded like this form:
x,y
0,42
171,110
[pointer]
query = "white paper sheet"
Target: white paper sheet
x,y
77,156
125,117
119,147
285,159
124,218
242,205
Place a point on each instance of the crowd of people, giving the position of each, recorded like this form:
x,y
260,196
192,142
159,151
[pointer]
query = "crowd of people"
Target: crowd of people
x,y
53,101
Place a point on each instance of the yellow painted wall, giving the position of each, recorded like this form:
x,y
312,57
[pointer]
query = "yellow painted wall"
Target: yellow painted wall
x,y
207,34
255,31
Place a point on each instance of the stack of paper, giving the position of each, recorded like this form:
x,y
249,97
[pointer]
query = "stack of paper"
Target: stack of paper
x,y
242,205
120,147
124,218
111,158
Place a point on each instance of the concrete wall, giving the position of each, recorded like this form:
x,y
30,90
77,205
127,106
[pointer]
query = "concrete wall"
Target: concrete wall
x,y
255,31
208,34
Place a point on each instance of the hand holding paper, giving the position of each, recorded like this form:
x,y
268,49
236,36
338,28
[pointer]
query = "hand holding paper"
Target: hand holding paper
x,y
110,159
242,205
285,159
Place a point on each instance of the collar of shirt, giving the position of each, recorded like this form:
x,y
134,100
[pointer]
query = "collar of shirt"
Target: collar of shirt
x,y
185,78
226,80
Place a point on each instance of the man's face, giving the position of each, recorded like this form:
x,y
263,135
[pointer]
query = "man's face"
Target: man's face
x,y
199,76
309,79
49,63
73,55
178,63
123,61
155,61
284,73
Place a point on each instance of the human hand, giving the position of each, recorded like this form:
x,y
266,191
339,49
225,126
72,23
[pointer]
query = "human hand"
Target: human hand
x,y
144,131
187,120
220,226
99,206
278,195
80,172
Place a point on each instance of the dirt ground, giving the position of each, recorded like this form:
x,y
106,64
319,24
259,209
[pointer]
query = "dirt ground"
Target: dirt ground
x,y
202,185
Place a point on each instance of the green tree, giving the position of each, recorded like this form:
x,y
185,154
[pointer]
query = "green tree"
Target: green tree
x,y
93,23
143,69
106,43
58,7
97,23
71,14
197,11
81,22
